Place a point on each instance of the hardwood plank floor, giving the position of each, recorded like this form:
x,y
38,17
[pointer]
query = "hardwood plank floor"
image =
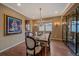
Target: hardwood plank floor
x,y
57,49
19,50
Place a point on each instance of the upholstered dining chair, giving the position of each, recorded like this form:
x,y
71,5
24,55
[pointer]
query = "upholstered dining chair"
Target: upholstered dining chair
x,y
46,43
31,47
49,40
48,35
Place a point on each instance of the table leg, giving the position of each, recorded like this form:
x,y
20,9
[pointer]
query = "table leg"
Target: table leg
x,y
45,51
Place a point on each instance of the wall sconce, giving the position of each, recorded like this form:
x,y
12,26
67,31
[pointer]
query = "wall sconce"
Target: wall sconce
x,y
56,23
35,24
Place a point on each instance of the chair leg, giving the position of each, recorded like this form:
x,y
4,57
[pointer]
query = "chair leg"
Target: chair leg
x,y
26,54
34,52
49,47
41,52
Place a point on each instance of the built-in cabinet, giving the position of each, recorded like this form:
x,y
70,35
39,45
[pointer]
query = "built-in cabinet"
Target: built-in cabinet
x,y
70,30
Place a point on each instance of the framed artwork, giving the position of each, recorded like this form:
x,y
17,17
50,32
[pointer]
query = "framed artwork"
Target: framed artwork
x,y
13,25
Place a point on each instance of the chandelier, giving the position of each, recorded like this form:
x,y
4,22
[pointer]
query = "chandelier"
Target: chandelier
x,y
41,16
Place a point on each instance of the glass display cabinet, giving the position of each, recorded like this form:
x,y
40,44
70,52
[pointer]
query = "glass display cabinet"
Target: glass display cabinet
x,y
70,31
77,25
64,30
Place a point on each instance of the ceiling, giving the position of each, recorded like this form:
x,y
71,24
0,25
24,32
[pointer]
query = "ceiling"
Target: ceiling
x,y
31,10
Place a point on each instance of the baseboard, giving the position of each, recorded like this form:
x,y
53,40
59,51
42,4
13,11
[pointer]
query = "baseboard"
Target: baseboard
x,y
11,46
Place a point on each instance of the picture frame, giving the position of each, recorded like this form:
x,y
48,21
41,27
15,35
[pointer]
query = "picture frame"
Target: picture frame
x,y
12,25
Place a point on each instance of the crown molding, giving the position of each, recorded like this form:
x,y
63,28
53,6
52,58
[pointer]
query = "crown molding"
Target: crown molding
x,y
67,8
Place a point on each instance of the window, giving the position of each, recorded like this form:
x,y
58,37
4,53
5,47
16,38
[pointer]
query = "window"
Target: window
x,y
41,27
77,26
48,26
28,27
73,26
45,27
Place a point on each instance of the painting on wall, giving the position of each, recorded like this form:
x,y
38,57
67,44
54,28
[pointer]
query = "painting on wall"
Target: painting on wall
x,y
13,25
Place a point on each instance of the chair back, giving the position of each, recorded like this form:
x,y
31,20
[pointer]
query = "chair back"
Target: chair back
x,y
30,43
49,37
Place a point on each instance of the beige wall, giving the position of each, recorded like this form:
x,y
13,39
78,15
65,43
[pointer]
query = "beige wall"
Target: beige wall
x,y
57,29
10,40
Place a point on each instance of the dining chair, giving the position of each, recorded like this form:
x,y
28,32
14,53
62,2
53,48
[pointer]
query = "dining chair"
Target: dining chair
x,y
32,34
49,40
31,47
48,35
27,33
46,44
39,33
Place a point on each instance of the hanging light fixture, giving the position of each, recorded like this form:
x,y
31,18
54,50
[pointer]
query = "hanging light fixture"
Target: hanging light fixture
x,y
40,16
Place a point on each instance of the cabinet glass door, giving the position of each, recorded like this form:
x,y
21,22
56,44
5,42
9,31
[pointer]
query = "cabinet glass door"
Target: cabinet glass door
x,y
71,40
78,36
64,30
78,31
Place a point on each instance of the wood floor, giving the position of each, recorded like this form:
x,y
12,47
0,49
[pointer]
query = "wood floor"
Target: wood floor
x,y
57,49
